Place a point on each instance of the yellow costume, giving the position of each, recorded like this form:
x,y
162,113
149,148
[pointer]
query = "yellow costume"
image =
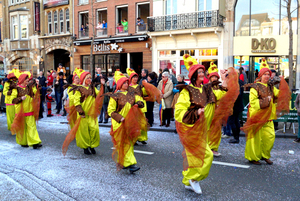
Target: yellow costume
x,y
61,69
10,107
141,91
124,133
25,119
261,145
265,101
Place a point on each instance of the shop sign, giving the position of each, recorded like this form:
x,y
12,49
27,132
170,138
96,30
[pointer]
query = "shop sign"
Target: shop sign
x,y
114,40
265,45
107,47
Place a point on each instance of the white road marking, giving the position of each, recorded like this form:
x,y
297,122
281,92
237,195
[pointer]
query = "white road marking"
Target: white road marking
x,y
141,152
230,164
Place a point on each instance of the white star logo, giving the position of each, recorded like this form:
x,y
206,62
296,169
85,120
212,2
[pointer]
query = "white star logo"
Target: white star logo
x,y
120,49
114,46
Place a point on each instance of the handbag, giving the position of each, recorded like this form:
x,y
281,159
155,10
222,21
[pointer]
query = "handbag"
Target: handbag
x,y
163,105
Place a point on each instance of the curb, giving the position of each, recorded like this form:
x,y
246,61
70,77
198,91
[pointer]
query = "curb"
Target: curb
x,y
242,134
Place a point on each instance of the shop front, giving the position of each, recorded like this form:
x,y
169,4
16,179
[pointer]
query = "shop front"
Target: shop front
x,y
204,47
249,52
110,54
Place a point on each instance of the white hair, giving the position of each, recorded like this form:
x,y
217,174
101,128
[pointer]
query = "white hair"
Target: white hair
x,y
165,74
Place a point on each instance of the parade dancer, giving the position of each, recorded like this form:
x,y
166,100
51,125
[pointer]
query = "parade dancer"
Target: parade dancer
x,y
266,101
10,107
88,103
128,120
147,91
213,76
26,98
70,107
49,100
191,114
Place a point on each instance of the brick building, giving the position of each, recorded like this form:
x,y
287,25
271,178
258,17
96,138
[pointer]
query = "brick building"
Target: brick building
x,y
118,41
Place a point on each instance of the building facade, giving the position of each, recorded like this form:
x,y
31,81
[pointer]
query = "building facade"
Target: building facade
x,y
57,34
119,40
2,60
21,22
195,27
259,29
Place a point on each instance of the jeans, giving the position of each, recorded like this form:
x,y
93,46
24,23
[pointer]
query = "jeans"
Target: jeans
x,y
103,111
234,123
298,124
227,129
58,99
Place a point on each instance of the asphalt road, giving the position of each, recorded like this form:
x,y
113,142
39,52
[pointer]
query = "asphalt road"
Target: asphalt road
x,y
45,174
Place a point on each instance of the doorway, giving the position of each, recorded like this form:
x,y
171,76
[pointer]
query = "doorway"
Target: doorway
x,y
136,62
62,56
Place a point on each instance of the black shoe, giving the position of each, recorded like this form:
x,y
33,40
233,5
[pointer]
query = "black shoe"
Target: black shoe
x,y
100,122
87,152
50,115
24,146
175,131
172,119
58,111
234,141
143,142
35,146
93,150
105,122
162,124
297,140
136,144
64,114
133,168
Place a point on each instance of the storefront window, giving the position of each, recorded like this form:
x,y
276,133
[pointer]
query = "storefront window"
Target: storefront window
x,y
208,52
100,62
86,62
167,53
190,52
266,17
169,64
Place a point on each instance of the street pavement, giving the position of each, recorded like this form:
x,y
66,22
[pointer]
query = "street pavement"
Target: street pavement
x,y
45,174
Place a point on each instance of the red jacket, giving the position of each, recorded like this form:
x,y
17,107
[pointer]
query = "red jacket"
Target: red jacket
x,y
50,80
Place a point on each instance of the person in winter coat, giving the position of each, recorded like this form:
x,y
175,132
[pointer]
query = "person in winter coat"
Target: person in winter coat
x,y
166,88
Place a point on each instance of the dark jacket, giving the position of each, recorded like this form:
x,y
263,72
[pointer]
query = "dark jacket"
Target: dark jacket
x,y
239,105
42,81
59,86
106,98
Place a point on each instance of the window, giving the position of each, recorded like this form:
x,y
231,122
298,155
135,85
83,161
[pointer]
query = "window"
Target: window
x,y
143,11
101,27
61,21
67,21
86,62
83,25
15,29
122,23
49,23
204,5
171,7
260,18
55,22
24,26
83,2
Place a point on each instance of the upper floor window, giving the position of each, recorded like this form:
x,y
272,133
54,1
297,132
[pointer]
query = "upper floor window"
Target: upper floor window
x,y
122,23
49,23
61,21
14,2
260,18
171,7
19,26
83,2
55,22
204,5
67,20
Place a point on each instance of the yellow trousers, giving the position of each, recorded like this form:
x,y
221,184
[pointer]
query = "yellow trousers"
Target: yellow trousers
x,y
88,133
10,115
31,135
261,145
143,137
214,147
198,173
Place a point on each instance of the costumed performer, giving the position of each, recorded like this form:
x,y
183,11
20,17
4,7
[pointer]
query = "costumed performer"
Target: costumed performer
x,y
26,98
192,111
266,101
126,109
88,103
7,91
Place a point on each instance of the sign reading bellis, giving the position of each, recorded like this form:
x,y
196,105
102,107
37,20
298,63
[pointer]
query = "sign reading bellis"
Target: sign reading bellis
x,y
107,48
265,45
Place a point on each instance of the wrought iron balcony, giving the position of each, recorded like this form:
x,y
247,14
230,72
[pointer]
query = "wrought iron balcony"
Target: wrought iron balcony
x,y
194,20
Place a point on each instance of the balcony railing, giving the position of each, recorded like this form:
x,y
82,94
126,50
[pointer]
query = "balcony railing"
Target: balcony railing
x,y
84,33
101,32
121,30
141,28
185,21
